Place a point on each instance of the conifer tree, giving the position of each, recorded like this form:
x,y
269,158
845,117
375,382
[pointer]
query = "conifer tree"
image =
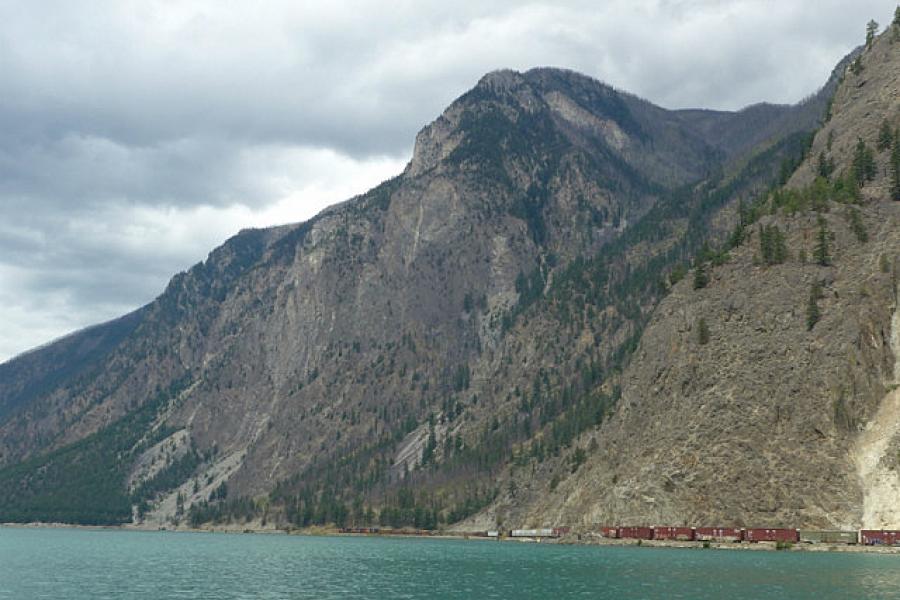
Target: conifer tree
x,y
826,165
849,188
864,168
813,313
871,30
772,247
895,170
737,236
885,136
677,274
779,248
822,253
701,278
702,332
765,244
897,17
857,225
895,30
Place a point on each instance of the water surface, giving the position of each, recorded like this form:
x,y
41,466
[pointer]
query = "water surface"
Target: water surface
x,y
82,564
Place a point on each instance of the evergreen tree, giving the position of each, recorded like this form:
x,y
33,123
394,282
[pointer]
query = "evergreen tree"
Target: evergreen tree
x,y
864,168
895,170
885,136
430,443
826,165
765,244
897,17
702,332
779,248
701,278
857,225
772,247
813,313
856,67
846,190
871,30
736,238
822,253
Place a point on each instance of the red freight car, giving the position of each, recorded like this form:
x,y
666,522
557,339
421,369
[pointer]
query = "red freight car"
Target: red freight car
x,y
879,537
685,534
717,534
636,533
609,532
561,531
771,535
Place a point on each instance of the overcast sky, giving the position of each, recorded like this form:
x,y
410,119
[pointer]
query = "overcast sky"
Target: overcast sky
x,y
137,136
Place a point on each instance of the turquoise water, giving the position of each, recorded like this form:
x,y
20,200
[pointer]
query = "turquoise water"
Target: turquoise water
x,y
68,563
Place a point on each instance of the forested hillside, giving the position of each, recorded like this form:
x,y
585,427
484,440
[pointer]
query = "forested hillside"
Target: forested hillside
x,y
463,340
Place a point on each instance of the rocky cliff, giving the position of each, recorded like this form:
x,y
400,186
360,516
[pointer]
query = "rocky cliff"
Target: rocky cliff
x,y
449,342
767,397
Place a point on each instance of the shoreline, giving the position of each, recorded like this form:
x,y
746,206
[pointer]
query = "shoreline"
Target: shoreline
x,y
734,546
583,539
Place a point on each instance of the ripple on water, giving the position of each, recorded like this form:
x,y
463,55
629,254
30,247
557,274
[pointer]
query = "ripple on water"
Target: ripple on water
x,y
69,563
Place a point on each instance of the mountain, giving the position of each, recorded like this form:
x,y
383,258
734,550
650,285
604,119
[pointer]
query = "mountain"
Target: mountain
x,y
769,396
420,349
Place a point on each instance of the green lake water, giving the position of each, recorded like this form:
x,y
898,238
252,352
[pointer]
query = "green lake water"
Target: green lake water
x,y
87,564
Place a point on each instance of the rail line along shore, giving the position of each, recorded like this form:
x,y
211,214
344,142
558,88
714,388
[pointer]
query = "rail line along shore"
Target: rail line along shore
x,y
773,539
726,538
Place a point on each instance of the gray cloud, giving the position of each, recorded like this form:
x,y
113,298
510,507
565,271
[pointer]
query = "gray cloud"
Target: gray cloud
x,y
125,124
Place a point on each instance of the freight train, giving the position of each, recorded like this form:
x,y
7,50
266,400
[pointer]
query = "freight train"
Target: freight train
x,y
537,533
387,531
865,537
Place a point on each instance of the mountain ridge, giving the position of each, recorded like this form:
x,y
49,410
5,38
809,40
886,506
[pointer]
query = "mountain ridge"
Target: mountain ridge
x,y
753,399
330,362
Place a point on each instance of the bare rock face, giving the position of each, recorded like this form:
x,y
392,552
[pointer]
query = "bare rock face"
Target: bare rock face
x,y
423,334
736,409
757,425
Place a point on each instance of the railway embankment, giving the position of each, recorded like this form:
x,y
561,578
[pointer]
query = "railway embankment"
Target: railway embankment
x,y
589,540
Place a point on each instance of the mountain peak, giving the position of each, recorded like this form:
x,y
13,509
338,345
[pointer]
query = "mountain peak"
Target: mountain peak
x,y
482,303
501,80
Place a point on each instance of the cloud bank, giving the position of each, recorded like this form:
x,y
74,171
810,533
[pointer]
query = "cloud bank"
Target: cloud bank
x,y
136,136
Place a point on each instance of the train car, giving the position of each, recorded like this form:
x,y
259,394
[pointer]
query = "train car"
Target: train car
x,y
609,532
544,532
759,534
492,533
683,534
718,534
636,533
828,536
561,531
879,537
353,530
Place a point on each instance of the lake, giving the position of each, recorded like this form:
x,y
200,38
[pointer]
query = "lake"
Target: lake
x,y
98,564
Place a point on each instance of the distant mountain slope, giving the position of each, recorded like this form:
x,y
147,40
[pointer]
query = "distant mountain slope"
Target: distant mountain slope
x,y
401,349
28,377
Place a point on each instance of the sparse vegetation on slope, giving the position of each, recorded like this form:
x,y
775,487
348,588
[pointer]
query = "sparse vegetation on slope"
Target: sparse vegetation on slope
x,y
405,357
